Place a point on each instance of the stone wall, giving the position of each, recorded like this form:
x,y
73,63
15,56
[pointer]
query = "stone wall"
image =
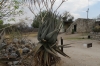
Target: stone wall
x,y
95,35
82,25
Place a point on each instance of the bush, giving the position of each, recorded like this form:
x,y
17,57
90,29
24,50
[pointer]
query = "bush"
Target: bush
x,y
96,29
44,14
35,24
1,22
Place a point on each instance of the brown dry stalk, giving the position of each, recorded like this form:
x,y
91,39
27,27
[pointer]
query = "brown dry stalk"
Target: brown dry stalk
x,y
1,2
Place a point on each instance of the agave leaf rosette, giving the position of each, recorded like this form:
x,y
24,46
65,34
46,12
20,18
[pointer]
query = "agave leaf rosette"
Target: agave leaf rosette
x,y
45,53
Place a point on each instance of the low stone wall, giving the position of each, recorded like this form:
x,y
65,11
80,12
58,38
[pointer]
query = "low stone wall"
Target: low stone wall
x,y
95,35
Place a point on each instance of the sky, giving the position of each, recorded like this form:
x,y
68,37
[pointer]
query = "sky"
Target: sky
x,y
77,8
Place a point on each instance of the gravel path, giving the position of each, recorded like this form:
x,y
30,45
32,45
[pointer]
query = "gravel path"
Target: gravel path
x,y
80,55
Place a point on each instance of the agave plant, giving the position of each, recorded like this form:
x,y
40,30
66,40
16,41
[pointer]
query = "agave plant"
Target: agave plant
x,y
2,34
46,51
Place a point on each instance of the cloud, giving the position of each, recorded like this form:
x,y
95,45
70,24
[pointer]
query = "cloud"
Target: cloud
x,y
75,6
72,6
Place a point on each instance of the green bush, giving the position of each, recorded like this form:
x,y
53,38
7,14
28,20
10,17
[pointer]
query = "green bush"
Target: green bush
x,y
35,24
96,29
1,22
44,14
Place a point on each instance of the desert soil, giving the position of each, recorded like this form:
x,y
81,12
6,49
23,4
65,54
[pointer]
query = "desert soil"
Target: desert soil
x,y
80,55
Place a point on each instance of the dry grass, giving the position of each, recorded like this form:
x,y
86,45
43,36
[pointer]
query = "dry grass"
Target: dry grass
x,y
30,34
33,34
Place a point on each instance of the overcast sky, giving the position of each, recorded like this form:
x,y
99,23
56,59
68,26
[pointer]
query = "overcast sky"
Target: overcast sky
x,y
77,8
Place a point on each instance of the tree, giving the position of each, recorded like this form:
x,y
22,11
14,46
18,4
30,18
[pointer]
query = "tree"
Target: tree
x,y
1,24
38,18
22,26
35,23
98,17
10,8
67,16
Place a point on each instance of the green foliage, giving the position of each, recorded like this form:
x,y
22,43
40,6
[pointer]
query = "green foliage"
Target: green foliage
x,y
1,22
3,25
20,11
11,8
67,17
6,25
47,49
16,7
42,16
35,24
12,19
36,20
16,1
96,29
0,7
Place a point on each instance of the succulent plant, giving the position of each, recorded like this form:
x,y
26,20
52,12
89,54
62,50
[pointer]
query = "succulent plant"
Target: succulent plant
x,y
46,51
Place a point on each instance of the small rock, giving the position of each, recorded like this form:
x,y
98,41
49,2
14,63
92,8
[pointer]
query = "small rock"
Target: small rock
x,y
26,50
15,62
13,54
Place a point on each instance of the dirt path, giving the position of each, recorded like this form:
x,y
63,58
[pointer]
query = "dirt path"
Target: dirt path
x,y
80,55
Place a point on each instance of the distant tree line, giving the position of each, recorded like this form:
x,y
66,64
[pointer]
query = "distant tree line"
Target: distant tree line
x,y
15,27
65,17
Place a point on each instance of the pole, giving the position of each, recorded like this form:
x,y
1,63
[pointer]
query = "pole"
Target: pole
x,y
87,12
61,44
88,9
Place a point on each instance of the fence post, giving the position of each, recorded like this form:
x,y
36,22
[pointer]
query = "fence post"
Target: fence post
x,y
61,44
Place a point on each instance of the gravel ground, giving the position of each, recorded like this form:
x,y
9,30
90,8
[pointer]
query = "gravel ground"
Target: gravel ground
x,y
80,55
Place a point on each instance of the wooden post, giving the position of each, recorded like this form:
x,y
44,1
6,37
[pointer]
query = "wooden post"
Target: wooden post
x,y
61,44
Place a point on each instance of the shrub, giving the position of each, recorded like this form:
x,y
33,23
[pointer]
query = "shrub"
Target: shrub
x,y
96,29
